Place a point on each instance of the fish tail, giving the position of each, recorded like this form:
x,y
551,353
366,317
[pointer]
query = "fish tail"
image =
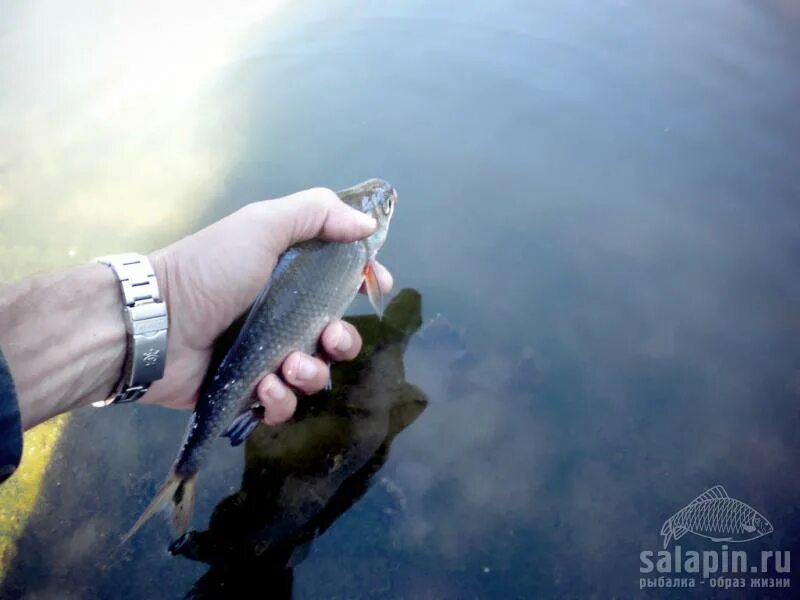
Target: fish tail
x,y
666,531
177,493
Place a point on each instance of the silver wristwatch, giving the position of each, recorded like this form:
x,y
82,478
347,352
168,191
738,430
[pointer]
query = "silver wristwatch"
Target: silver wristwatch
x,y
146,324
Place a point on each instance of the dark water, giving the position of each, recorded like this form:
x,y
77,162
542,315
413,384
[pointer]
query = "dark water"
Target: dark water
x,y
601,201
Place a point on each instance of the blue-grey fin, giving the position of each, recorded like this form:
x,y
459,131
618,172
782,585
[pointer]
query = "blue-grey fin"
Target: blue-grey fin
x,y
715,493
242,427
283,262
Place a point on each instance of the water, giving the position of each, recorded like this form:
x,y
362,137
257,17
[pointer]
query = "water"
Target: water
x,y
599,199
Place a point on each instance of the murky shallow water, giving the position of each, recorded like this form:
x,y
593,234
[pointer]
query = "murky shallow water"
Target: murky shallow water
x,y
600,201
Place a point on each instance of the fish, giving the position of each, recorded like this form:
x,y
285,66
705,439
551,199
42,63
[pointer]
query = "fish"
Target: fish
x,y
716,516
312,284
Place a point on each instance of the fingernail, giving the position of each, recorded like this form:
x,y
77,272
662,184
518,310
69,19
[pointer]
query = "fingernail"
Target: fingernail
x,y
305,369
275,389
344,341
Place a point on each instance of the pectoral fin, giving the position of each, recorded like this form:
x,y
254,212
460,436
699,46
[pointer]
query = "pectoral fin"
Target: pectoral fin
x,y
373,289
242,426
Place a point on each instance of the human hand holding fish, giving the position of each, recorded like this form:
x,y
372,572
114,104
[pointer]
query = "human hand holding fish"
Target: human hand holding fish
x,y
64,339
212,276
314,269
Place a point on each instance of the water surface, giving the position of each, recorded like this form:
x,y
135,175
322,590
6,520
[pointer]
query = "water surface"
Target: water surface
x,y
599,199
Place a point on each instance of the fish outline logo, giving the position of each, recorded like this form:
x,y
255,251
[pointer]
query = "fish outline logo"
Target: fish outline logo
x,y
718,517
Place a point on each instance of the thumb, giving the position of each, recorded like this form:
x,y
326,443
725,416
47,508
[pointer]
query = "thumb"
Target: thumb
x,y
315,213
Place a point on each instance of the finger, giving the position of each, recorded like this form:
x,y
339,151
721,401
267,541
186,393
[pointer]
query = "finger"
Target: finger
x,y
315,213
305,372
341,341
278,400
385,279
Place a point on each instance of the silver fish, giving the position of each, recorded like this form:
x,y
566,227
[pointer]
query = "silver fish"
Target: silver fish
x,y
313,283
718,517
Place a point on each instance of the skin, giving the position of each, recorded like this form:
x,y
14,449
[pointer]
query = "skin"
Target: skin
x,y
63,334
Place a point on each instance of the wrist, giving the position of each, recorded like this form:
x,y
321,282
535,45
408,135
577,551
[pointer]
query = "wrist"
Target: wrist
x,y
107,339
146,323
158,261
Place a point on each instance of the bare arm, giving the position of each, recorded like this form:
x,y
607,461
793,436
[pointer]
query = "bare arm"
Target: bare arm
x,y
63,336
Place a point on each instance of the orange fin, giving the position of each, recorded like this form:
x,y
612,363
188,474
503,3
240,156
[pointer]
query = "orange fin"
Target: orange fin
x,y
373,289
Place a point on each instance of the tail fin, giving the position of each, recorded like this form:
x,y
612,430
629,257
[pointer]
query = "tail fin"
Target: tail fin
x,y
667,532
177,493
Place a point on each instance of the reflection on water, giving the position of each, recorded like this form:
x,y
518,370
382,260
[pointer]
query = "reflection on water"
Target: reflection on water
x,y
600,199
300,477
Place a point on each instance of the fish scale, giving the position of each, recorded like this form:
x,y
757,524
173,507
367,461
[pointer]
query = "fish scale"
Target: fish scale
x,y
715,516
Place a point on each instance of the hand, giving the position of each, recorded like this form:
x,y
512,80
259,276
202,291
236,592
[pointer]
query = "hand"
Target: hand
x,y
210,278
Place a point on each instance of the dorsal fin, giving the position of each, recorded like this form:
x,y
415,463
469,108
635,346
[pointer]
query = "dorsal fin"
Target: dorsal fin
x,y
715,493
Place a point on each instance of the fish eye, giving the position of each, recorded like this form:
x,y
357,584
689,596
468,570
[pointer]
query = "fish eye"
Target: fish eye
x,y
387,206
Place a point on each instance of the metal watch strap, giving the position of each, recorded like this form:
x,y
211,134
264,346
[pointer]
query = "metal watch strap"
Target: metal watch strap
x,y
146,324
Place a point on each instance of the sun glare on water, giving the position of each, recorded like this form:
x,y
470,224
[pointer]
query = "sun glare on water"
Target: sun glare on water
x,y
112,136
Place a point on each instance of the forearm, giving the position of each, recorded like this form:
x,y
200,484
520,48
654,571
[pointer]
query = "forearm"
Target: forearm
x,y
63,336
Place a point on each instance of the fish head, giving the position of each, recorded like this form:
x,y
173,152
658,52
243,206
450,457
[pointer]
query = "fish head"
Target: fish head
x,y
377,198
761,524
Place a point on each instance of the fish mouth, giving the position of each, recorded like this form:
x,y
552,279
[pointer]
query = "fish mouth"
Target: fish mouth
x,y
392,193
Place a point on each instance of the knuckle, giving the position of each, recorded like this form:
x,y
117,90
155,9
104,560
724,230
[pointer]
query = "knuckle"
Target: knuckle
x,y
322,195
